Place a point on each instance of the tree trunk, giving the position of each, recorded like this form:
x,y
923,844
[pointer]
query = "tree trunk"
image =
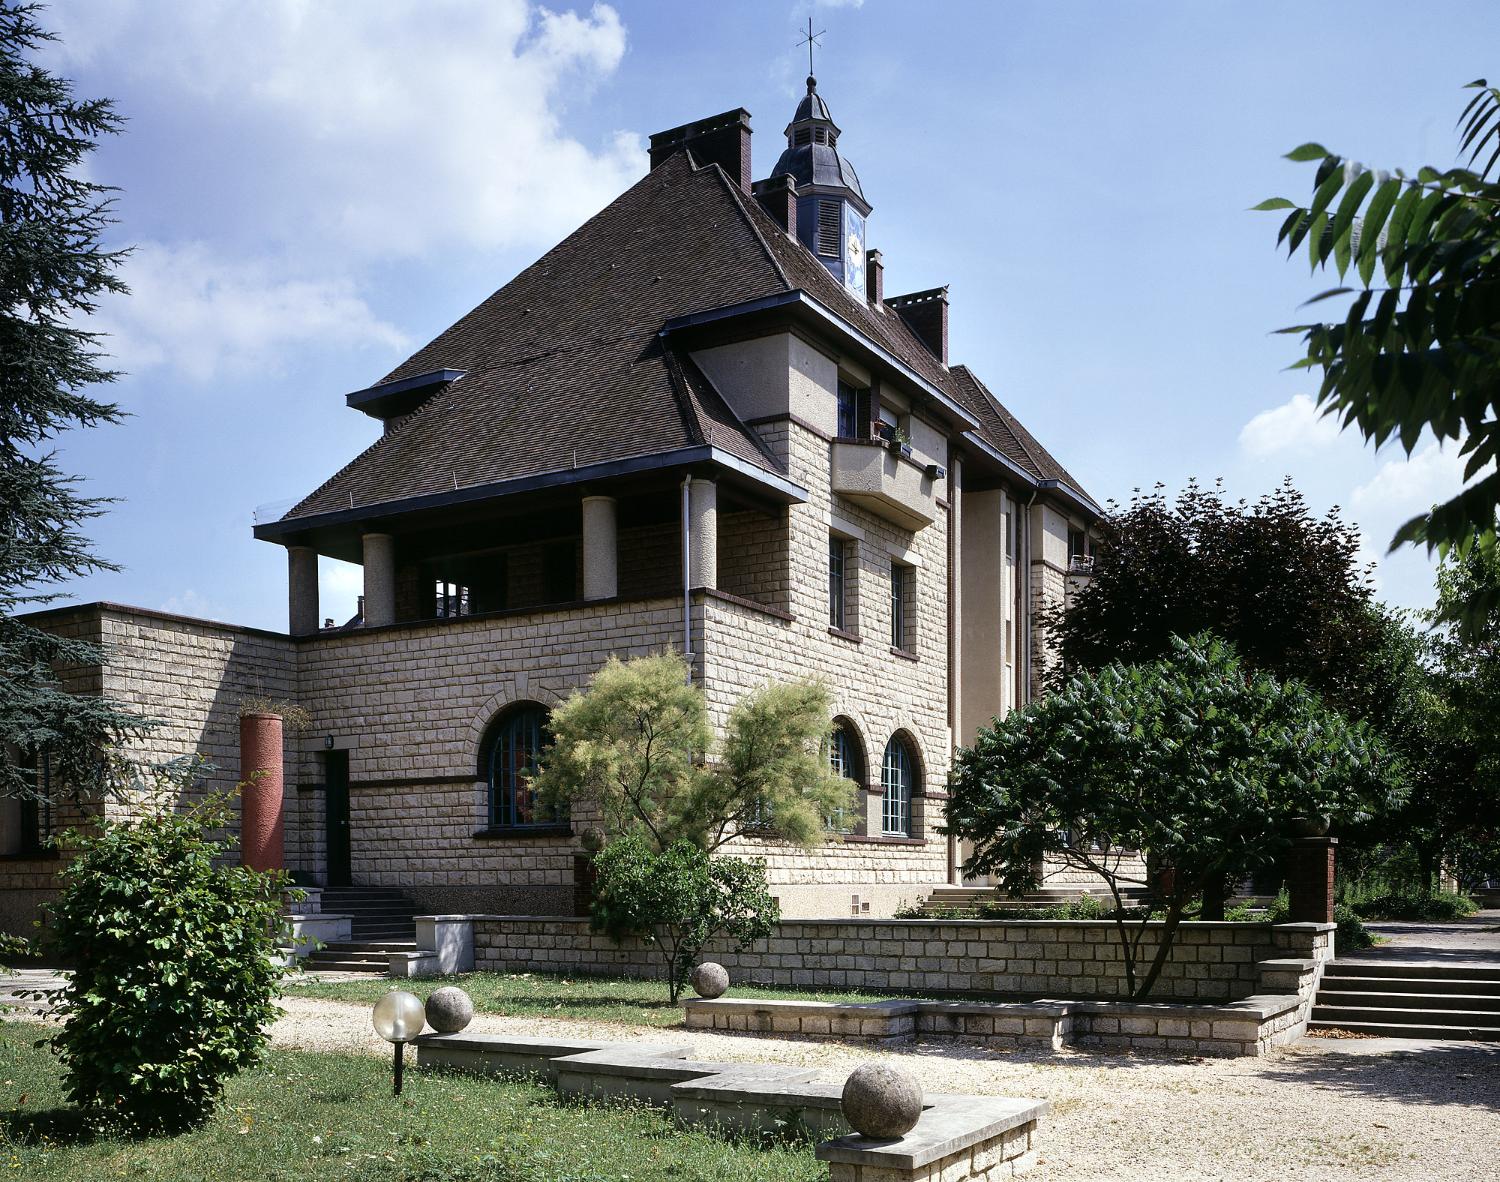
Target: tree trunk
x,y
1213,900
1168,935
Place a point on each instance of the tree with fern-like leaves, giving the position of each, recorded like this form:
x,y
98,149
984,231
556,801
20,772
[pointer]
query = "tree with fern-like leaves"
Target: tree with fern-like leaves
x,y
53,269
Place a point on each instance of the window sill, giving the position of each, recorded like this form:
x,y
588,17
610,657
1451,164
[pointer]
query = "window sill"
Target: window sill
x,y
904,654
843,634
522,832
886,839
32,856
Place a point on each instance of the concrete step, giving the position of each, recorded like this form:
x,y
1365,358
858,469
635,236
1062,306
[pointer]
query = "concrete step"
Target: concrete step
x,y
342,946
1341,982
313,964
1337,1015
1410,1001
1403,1030
1414,970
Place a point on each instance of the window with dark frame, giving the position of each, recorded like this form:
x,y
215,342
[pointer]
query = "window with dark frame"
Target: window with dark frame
x,y
897,780
900,594
560,572
853,411
519,736
836,614
451,599
844,759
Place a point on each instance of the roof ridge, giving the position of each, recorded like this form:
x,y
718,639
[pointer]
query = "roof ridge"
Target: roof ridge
x,y
738,195
1016,435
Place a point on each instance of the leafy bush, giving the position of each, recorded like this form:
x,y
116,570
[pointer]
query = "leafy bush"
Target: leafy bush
x,y
14,948
173,980
1279,909
1352,932
679,899
1442,906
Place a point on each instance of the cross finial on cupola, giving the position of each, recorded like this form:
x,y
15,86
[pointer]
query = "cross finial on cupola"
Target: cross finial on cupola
x,y
810,39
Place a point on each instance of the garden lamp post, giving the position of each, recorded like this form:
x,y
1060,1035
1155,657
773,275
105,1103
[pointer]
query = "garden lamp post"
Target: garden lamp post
x,y
398,1018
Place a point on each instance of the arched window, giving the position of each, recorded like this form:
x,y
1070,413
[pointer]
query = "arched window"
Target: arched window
x,y
515,740
898,780
846,755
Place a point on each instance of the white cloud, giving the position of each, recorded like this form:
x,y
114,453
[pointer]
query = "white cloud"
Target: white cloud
x,y
200,314
1405,486
388,128
190,602
1296,427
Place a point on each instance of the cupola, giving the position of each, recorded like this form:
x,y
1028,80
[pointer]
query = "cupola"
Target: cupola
x,y
831,207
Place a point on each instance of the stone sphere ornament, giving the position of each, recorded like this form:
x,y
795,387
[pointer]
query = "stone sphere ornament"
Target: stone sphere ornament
x,y
449,1009
882,1102
593,839
710,980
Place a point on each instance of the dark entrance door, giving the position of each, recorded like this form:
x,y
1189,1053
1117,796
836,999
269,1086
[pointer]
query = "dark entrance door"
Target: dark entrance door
x,y
336,815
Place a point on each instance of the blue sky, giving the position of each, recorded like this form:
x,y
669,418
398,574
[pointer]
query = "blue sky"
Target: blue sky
x,y
315,190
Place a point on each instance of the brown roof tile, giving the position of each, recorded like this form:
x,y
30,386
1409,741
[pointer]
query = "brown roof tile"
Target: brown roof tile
x,y
563,366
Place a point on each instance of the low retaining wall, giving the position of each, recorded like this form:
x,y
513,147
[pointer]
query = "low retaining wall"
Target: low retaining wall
x,y
1211,962
1248,1027
956,1139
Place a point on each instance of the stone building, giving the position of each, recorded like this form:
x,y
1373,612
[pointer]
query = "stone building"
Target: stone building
x,y
698,423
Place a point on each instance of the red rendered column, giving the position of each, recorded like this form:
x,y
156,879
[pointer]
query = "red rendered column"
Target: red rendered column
x,y
1309,880
261,846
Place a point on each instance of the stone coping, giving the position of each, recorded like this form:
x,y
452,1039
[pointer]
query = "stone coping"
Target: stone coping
x,y
1261,1006
869,921
948,1125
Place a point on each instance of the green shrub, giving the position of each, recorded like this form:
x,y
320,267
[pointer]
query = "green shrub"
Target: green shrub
x,y
1352,932
1442,906
680,899
13,948
1279,909
173,980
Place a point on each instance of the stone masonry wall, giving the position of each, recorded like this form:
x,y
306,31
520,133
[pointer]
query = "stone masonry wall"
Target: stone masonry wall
x,y
192,676
1209,962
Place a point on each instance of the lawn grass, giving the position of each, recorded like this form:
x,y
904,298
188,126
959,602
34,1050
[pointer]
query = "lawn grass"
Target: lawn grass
x,y
538,995
319,1116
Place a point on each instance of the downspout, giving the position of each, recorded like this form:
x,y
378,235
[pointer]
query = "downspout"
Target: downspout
x,y
1025,605
955,634
687,579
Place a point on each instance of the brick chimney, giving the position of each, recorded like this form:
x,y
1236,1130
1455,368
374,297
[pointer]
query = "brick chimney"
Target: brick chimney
x,y
874,278
778,195
720,139
926,314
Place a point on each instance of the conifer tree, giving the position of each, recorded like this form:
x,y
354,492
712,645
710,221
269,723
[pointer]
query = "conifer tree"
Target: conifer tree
x,y
53,268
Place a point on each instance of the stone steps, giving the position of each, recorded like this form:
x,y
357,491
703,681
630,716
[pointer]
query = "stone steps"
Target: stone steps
x,y
1393,999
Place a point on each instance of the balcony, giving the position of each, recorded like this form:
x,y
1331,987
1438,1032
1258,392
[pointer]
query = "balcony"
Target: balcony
x,y
888,484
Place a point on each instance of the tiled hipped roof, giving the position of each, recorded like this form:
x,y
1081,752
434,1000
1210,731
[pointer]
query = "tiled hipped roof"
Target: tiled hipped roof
x,y
564,367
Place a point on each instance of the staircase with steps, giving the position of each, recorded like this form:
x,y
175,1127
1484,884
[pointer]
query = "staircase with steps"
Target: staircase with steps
x,y
382,922
1457,1001
973,896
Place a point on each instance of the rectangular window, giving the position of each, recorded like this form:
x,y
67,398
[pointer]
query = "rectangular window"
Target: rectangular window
x,y
900,596
1010,534
451,599
35,813
854,412
836,615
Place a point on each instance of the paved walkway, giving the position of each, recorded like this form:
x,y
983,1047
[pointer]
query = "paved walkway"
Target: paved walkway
x,y
1475,940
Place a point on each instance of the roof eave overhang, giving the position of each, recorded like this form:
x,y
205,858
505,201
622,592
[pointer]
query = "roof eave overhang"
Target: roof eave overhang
x,y
399,397
798,303
1074,495
769,483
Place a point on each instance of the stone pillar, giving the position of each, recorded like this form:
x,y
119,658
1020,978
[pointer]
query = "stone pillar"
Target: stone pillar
x,y
1309,880
380,580
703,524
302,590
261,842
600,549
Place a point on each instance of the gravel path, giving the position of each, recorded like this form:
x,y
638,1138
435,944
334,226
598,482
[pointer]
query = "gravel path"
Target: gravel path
x,y
1475,940
1324,1109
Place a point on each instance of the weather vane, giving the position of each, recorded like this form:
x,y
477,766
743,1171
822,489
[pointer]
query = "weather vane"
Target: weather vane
x,y
810,39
